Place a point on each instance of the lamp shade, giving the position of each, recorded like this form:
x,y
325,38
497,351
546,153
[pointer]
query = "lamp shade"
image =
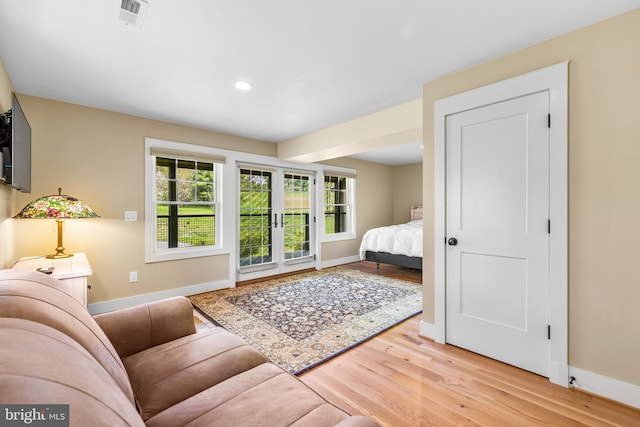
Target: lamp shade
x,y
58,207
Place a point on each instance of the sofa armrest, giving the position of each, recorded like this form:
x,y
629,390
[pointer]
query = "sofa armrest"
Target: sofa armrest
x,y
132,330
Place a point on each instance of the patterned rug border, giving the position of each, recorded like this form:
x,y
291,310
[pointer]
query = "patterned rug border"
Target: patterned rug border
x,y
206,318
277,282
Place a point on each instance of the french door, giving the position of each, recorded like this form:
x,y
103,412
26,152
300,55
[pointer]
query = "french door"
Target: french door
x,y
276,221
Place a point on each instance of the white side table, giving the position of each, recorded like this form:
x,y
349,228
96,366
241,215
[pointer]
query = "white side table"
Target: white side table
x,y
74,271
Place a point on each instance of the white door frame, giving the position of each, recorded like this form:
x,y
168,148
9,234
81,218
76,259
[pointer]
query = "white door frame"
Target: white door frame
x,y
279,264
555,80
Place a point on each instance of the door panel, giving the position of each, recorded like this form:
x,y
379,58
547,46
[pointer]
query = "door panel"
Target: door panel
x,y
497,204
500,298
297,216
276,216
256,239
488,178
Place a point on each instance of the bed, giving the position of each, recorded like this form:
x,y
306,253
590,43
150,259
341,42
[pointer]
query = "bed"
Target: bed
x,y
399,244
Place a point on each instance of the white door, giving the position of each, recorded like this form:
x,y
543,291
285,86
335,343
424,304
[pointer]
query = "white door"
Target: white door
x,y
276,224
497,213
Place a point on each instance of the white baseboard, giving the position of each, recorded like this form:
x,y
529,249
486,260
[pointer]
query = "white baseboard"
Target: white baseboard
x,y
427,330
339,261
611,388
117,304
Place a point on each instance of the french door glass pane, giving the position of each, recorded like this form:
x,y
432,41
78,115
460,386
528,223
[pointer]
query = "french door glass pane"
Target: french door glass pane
x,y
256,246
297,210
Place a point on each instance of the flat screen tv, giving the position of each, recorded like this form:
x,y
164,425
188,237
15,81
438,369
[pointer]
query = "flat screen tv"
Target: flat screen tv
x,y
16,148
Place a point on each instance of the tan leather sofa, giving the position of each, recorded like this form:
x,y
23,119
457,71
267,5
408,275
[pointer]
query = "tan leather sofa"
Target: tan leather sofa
x,y
144,365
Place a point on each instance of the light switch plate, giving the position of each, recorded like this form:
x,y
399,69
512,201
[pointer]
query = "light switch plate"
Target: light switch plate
x,y
130,215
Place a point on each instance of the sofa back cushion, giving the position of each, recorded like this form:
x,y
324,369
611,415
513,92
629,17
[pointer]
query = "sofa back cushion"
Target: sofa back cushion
x,y
41,365
40,298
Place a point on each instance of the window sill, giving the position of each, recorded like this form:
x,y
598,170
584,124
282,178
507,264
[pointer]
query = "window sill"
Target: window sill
x,y
337,237
182,253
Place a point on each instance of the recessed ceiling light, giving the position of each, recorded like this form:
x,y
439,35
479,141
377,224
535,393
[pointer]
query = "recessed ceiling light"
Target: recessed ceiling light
x,y
243,85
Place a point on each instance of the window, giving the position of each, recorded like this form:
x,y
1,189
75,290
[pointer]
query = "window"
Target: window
x,y
339,205
183,204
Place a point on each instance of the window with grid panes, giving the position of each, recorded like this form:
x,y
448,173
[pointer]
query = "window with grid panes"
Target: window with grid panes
x,y
185,200
338,204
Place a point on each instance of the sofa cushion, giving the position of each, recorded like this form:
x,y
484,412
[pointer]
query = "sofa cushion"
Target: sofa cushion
x,y
35,296
41,365
134,329
170,373
263,396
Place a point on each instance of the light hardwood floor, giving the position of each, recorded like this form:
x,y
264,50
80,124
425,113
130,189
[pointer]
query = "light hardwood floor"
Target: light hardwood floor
x,y
404,380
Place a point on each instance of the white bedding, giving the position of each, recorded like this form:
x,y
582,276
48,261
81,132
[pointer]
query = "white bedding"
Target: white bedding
x,y
401,239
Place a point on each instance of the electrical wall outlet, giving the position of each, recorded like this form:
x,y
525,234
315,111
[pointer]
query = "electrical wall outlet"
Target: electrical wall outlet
x,y
133,276
130,215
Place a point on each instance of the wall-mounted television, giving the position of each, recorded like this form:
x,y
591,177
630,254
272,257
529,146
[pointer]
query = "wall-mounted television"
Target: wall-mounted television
x,y
15,144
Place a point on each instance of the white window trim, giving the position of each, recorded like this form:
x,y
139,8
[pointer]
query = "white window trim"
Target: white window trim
x,y
350,234
152,253
227,195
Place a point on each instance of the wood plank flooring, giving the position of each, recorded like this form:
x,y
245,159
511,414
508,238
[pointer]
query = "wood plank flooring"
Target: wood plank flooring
x,y
404,380
402,273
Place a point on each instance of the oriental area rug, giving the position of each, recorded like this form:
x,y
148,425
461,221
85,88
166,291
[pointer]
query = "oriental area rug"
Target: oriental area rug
x,y
302,320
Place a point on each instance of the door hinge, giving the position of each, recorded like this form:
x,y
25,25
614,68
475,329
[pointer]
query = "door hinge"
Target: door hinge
x,y
549,226
548,120
548,332
314,219
314,257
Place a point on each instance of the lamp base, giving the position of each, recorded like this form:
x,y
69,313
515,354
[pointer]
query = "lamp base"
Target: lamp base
x,y
58,256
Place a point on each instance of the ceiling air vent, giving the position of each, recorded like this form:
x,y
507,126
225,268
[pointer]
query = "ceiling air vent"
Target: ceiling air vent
x,y
132,12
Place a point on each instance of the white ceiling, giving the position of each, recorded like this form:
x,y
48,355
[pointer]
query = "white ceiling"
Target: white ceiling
x,y
313,63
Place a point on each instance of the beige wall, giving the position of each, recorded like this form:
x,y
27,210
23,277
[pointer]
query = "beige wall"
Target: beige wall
x,y
604,174
7,194
384,196
98,156
6,88
374,207
407,191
